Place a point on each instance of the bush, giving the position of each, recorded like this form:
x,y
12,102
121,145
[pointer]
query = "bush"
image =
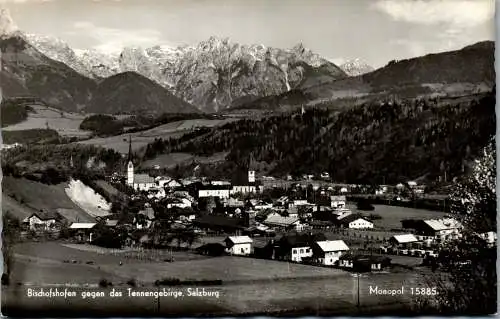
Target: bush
x,y
103,283
132,283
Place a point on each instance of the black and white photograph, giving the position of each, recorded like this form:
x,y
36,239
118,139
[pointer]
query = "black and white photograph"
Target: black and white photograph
x,y
237,158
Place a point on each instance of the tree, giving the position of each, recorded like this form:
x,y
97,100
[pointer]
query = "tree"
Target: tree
x,y
471,289
10,235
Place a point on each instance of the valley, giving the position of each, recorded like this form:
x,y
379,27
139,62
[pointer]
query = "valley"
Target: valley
x,y
287,182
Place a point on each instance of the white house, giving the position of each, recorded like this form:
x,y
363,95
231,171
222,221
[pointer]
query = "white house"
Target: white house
x,y
239,245
355,221
329,251
442,229
221,191
244,189
179,202
300,252
84,231
41,221
337,201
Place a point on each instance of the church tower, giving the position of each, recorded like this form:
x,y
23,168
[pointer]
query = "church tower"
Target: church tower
x,y
130,166
251,170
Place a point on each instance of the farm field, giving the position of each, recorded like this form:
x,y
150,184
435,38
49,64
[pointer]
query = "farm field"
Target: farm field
x,y
302,287
141,139
392,215
172,159
66,125
37,196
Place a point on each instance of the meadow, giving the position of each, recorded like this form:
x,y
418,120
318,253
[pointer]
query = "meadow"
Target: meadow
x,y
249,285
66,124
120,143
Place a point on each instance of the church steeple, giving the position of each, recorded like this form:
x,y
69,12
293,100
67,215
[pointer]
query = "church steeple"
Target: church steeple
x,y
129,158
130,165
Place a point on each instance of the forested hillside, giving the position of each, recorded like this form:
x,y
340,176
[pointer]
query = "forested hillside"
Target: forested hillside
x,y
377,142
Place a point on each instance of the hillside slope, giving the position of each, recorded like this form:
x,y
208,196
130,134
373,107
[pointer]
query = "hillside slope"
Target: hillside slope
x,y
377,142
25,196
130,92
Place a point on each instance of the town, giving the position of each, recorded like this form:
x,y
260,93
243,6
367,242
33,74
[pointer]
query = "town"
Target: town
x,y
315,224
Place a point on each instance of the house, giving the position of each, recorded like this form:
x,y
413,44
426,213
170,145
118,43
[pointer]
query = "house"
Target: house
x,y
217,223
82,231
144,218
354,221
329,251
178,202
403,241
142,182
284,223
172,184
156,192
239,245
296,247
363,262
42,220
337,201
441,229
220,191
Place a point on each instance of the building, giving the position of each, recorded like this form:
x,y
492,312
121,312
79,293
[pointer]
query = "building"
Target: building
x,y
139,182
144,218
220,191
239,245
277,221
338,201
403,241
355,221
364,262
329,251
82,231
41,221
296,247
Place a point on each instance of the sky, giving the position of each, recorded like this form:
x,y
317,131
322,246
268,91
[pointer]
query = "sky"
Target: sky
x,y
375,31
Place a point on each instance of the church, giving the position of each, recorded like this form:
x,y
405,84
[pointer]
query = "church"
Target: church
x,y
245,184
139,182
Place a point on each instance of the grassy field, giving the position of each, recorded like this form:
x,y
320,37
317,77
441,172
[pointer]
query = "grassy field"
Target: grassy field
x,y
141,139
28,196
172,159
66,125
392,215
249,286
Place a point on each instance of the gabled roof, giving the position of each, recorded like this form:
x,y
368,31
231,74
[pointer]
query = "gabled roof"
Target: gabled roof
x,y
406,238
337,197
332,245
278,220
239,239
215,187
44,215
442,224
301,240
82,225
352,217
143,179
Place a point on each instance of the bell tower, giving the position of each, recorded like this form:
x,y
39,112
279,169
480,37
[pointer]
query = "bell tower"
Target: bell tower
x,y
130,166
251,170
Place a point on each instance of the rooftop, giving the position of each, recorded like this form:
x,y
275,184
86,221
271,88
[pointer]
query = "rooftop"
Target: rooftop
x,y
240,239
143,179
332,245
278,220
406,238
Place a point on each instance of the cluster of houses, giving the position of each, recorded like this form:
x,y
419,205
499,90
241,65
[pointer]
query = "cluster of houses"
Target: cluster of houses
x,y
305,248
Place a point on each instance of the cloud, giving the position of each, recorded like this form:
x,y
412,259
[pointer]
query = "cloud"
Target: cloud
x,y
455,13
112,40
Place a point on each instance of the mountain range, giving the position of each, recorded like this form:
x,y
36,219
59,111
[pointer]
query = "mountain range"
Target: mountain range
x,y
218,74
